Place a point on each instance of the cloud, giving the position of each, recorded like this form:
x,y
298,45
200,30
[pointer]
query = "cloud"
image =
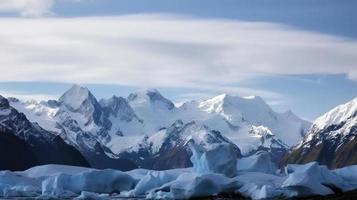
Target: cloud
x,y
166,51
28,96
27,8
30,8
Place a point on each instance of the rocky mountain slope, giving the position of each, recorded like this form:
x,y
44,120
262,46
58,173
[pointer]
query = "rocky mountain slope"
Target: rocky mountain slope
x,y
77,118
332,139
29,144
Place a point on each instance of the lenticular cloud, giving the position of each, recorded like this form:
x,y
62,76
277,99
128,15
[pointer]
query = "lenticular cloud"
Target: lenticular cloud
x,y
161,50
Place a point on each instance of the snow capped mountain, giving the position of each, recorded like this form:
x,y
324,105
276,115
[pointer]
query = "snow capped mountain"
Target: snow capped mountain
x,y
79,104
122,117
82,125
117,125
331,140
338,115
253,110
155,110
168,148
40,145
152,97
119,108
76,96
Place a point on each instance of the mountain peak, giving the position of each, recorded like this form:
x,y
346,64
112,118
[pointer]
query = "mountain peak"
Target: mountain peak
x,y
119,107
143,94
337,115
218,103
75,96
149,96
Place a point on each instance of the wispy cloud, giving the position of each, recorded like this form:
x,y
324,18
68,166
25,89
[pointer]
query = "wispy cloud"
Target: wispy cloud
x,y
27,7
166,51
28,96
30,8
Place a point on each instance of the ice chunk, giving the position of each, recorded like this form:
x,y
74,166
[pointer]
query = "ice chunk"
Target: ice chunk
x,y
258,185
13,185
52,170
91,196
83,183
190,185
217,158
311,179
152,180
104,181
259,162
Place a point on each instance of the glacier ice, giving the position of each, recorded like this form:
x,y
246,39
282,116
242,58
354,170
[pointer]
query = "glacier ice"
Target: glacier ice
x,y
84,183
104,181
210,160
258,162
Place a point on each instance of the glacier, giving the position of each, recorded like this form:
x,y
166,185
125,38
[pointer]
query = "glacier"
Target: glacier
x,y
86,183
209,176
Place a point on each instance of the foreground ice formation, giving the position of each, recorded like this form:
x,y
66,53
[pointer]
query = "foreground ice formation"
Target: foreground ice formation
x,y
217,158
215,170
60,181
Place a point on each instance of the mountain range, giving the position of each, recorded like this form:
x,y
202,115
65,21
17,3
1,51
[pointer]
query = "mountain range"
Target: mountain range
x,y
147,130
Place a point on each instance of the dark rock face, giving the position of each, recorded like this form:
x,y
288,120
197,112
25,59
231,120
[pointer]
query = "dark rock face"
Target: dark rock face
x,y
335,152
15,153
41,146
98,159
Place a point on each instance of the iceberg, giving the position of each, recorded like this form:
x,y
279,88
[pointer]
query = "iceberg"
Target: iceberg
x,y
103,181
59,182
210,160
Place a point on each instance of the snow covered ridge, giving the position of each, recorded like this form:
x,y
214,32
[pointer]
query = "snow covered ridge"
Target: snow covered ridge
x,y
331,140
118,125
206,178
337,115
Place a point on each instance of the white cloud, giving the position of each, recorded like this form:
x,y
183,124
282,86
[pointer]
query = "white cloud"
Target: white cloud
x,y
166,51
28,96
30,8
27,8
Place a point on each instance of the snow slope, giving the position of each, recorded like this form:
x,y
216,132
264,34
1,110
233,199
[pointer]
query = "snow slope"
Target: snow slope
x,y
331,140
253,110
337,115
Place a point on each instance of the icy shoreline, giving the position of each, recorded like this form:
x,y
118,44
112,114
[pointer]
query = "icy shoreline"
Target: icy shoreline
x,y
216,170
60,181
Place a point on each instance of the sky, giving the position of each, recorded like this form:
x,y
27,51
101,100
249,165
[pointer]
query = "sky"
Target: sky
x,y
299,55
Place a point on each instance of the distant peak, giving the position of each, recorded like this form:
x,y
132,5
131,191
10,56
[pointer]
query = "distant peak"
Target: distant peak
x,y
144,92
75,96
78,88
150,95
234,98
